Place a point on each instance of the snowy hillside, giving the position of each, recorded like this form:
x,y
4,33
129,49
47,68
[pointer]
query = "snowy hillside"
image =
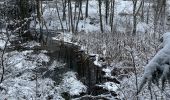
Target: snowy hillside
x,y
84,49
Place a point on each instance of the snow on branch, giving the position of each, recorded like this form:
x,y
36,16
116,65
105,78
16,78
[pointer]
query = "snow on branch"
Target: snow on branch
x,y
158,67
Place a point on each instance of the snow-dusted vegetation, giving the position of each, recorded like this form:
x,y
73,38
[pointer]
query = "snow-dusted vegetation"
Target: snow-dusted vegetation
x,y
158,67
84,49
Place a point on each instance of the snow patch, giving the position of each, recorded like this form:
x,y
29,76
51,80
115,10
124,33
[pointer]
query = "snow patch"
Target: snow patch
x,y
43,58
2,44
107,72
31,44
71,85
56,64
66,36
96,62
110,86
124,6
142,28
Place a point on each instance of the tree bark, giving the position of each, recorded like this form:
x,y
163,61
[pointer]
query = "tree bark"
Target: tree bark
x,y
112,14
64,9
106,10
100,14
87,3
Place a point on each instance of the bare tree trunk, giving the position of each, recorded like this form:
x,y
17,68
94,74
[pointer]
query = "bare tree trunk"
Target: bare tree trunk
x,y
75,11
58,13
134,17
87,3
70,16
2,57
162,18
156,11
64,9
106,10
135,72
100,14
39,15
80,9
142,14
112,14
148,13
69,21
38,10
135,13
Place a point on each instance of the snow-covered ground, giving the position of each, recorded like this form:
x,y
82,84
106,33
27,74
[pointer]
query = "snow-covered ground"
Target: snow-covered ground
x,y
21,81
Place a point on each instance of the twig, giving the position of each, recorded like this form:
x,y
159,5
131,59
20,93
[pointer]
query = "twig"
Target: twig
x,y
135,71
